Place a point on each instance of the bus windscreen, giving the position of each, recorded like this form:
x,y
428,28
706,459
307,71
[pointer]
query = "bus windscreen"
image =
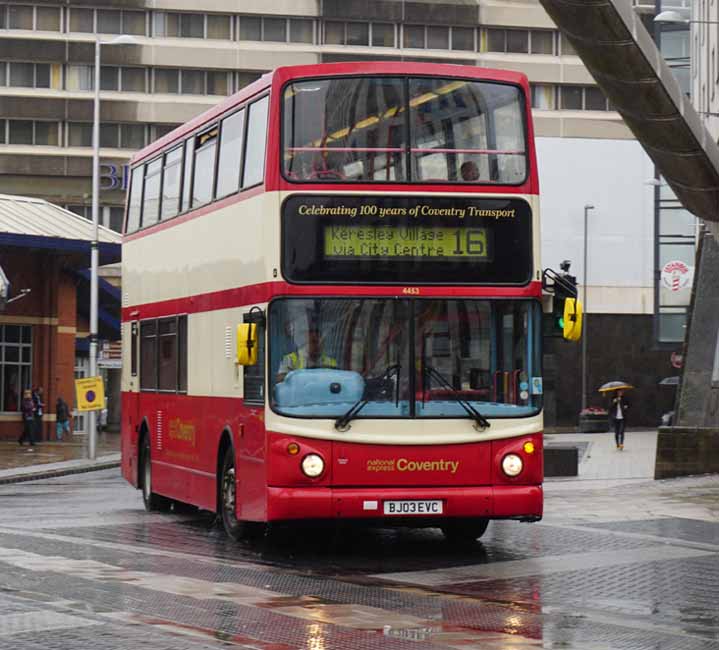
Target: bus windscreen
x,y
412,240
404,130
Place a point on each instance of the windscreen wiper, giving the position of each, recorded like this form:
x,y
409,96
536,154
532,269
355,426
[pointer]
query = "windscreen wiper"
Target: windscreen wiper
x,y
480,422
373,388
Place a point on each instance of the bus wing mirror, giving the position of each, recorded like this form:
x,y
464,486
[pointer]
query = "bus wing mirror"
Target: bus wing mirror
x,y
572,319
246,344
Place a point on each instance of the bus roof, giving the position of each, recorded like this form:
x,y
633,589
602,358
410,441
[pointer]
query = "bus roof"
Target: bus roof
x,y
280,76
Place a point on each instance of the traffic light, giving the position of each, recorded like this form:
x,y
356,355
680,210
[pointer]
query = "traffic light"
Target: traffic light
x,y
572,320
561,294
566,307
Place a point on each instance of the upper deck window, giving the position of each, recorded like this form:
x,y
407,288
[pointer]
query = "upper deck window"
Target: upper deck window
x,y
392,129
204,172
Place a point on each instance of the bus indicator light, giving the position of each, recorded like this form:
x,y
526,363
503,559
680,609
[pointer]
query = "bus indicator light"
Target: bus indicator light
x,y
293,449
528,447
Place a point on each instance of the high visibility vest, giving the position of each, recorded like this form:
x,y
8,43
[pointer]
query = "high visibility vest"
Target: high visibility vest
x,y
298,362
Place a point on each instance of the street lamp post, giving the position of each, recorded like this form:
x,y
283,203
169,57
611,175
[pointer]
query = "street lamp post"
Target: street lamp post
x,y
675,18
94,245
587,208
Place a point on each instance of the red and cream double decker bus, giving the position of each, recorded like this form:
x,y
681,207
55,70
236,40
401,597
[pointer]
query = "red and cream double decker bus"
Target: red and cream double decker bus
x,y
332,302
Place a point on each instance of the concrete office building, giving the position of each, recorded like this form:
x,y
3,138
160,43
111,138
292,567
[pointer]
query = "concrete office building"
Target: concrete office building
x,y
185,59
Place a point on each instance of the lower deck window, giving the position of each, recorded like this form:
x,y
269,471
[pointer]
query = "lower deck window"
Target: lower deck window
x,y
163,354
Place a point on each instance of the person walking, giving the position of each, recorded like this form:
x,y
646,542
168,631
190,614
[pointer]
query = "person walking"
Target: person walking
x,y
27,408
618,413
62,418
38,411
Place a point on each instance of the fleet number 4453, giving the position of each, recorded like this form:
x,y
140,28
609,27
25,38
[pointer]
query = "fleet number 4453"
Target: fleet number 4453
x,y
410,291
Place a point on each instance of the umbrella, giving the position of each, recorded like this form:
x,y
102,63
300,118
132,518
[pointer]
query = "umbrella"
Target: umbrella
x,y
670,381
614,385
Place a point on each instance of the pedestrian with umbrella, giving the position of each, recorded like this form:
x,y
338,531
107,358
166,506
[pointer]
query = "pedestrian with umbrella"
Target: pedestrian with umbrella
x,y
618,408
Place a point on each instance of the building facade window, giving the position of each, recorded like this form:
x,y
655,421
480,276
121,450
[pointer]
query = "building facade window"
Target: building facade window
x,y
166,80
133,80
250,28
47,19
571,98
16,362
109,78
30,132
582,98
79,77
107,21
519,41
177,25
20,17
542,41
383,35
463,38
274,29
543,97
278,30
115,136
25,75
413,36
219,27
81,20
301,30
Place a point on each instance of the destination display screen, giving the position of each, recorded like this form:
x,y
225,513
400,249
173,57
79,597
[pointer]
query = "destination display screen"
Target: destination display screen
x,y
406,240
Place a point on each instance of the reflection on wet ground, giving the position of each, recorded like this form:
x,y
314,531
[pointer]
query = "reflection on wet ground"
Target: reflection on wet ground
x,y
352,550
83,565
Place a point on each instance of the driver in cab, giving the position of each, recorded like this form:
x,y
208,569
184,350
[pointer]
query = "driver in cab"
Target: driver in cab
x,y
310,355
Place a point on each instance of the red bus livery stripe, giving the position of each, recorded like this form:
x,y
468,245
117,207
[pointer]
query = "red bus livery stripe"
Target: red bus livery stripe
x,y
259,293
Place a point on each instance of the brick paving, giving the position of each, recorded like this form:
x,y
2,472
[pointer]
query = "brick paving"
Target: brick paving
x,y
619,561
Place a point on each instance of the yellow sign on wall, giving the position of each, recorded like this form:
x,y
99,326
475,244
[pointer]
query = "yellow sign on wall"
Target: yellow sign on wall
x,y
90,394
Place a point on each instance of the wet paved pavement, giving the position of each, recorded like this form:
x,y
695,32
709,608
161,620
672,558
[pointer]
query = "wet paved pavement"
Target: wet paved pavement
x,y
614,564
74,447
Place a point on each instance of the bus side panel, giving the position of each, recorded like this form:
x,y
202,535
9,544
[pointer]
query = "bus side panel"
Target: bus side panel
x,y
252,474
179,445
129,437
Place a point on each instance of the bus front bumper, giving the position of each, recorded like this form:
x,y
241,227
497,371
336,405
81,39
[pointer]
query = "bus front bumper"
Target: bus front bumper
x,y
499,502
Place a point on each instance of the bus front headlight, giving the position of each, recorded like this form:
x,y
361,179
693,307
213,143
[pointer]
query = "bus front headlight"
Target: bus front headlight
x,y
313,465
512,465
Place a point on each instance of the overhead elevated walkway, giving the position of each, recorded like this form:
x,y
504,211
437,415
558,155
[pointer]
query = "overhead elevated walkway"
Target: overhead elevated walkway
x,y
622,57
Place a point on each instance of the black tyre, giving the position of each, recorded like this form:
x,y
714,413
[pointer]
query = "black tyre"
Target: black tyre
x,y
152,501
465,530
234,528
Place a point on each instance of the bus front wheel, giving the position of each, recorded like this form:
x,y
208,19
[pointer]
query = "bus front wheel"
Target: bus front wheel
x,y
151,500
465,530
234,528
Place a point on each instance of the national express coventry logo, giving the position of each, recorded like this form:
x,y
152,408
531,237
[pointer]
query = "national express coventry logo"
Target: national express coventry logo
x,y
676,275
407,465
